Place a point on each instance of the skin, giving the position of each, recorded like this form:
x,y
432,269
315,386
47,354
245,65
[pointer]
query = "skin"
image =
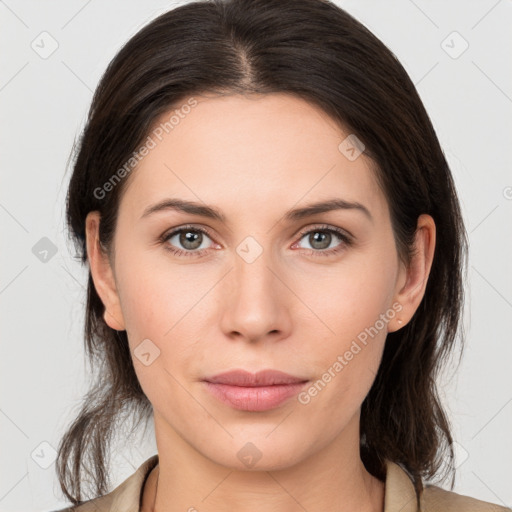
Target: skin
x,y
292,309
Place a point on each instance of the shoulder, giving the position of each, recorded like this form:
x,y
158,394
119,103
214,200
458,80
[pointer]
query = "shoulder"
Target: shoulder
x,y
436,499
400,496
100,504
124,498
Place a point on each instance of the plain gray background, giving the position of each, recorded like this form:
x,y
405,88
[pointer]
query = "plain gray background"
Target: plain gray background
x,y
458,55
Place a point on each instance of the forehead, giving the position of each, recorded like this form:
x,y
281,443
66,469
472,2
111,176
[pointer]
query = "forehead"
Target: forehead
x,y
249,154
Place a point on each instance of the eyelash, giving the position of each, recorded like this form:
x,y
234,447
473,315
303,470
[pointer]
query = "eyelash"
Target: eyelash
x,y
346,240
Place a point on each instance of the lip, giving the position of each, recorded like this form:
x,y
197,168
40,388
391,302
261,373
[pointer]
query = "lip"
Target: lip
x,y
262,391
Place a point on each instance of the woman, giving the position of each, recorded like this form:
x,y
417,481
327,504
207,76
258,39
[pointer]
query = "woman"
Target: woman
x,y
276,255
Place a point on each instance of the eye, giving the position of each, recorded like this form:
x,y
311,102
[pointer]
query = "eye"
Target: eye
x,y
320,240
192,241
186,241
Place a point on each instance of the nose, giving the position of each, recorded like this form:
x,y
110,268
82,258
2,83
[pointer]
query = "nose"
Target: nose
x,y
256,303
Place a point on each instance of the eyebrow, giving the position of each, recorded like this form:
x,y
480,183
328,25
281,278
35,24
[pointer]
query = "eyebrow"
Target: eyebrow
x,y
203,210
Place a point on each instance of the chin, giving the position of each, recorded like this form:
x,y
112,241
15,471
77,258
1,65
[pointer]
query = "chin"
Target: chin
x,y
256,451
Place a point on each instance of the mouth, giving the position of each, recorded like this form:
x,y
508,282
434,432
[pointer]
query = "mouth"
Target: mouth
x,y
246,391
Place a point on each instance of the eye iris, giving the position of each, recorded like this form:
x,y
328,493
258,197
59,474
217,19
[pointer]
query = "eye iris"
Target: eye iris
x,y
322,237
191,239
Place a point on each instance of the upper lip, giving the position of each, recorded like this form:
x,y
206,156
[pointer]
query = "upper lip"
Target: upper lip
x,y
261,378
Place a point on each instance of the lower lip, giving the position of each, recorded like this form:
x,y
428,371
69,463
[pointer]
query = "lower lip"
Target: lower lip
x,y
261,398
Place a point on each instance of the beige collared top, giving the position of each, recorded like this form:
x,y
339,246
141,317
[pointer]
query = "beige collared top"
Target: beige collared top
x,y
400,495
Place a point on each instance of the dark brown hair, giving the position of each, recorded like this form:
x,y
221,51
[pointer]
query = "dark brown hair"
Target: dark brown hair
x,y
318,52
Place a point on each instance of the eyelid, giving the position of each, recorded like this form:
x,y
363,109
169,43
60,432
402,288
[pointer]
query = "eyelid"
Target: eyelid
x,y
301,233
326,227
191,227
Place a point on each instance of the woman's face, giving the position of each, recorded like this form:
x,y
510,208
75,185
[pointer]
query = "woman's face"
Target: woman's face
x,y
265,288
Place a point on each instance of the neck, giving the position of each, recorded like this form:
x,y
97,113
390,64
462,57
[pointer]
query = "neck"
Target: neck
x,y
333,478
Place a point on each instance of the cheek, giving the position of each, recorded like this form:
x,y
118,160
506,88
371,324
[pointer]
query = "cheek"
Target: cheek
x,y
173,306
350,298
356,306
164,308
158,298
345,364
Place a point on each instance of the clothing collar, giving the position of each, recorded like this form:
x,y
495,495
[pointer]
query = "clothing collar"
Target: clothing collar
x,y
400,494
